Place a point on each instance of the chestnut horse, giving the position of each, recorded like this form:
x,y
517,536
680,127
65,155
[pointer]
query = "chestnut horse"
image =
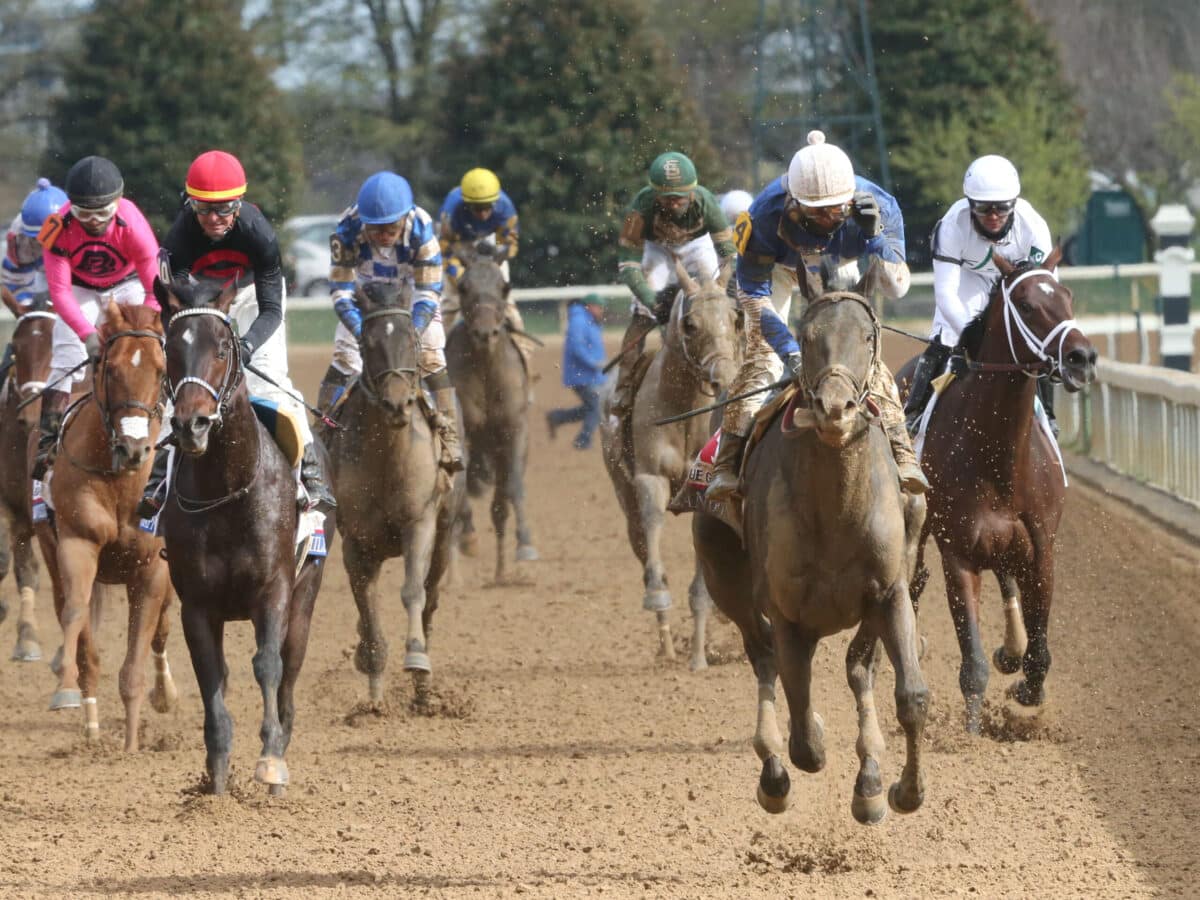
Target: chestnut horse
x,y
230,524
104,458
31,342
996,483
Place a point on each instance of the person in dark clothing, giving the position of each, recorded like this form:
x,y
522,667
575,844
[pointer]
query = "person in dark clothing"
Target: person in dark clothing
x,y
583,363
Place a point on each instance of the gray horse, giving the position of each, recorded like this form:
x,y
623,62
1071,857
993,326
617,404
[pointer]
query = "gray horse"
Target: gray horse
x,y
648,463
824,532
393,498
493,389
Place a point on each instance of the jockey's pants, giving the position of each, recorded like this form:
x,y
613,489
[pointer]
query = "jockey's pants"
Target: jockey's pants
x,y
68,351
699,257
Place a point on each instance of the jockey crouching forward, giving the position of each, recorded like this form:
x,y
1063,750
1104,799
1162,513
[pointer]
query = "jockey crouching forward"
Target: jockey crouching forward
x,y
819,211
386,237
217,236
990,218
96,249
673,218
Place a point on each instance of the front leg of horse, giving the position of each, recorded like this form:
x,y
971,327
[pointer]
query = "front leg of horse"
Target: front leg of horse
x,y
370,656
898,628
1037,590
794,648
28,648
962,595
418,552
652,496
515,490
164,696
701,603
147,593
868,805
77,563
203,634
270,625
499,510
774,785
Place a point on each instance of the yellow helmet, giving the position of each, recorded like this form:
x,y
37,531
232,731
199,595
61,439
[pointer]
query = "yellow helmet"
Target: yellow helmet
x,y
480,186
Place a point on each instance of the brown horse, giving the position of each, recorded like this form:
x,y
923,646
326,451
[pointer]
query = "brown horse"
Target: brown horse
x,y
31,342
105,454
393,498
997,487
230,524
648,463
493,389
824,532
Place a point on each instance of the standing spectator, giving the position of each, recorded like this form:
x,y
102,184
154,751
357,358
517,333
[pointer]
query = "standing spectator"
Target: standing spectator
x,y
583,363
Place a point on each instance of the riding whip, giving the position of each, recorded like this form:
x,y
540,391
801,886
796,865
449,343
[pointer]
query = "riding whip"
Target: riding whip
x,y
55,383
782,382
907,334
330,423
526,334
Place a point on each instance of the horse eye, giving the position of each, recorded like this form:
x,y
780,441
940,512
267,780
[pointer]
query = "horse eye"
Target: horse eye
x,y
689,327
1025,307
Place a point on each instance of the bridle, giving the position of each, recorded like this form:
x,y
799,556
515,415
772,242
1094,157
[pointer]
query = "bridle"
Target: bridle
x,y
371,381
860,384
233,372
31,386
1049,364
700,367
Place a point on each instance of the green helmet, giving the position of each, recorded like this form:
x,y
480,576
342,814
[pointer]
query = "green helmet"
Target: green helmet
x,y
672,175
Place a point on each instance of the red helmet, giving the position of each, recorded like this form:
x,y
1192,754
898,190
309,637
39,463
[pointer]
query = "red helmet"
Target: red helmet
x,y
215,176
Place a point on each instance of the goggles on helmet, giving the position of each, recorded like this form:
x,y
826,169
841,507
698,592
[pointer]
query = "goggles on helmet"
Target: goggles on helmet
x,y
824,219
25,249
481,208
228,208
992,207
94,216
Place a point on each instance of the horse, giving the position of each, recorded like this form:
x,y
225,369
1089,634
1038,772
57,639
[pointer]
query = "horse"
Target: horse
x,y
648,463
824,532
230,526
393,497
104,459
31,343
493,389
996,484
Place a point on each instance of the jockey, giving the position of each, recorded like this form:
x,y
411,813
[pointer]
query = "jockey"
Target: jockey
x,y
990,218
733,204
673,218
386,237
218,236
475,212
21,272
820,212
96,249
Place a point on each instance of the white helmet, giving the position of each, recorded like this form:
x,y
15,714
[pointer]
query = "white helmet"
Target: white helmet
x,y
991,178
734,203
820,174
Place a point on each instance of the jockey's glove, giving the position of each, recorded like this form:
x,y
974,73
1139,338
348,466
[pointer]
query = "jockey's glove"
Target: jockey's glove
x,y
91,344
247,350
792,362
865,211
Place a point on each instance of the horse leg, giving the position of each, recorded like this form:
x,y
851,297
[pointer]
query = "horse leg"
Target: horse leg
x,y
78,561
88,660
205,636
701,603
164,695
270,629
962,594
1037,590
418,550
6,554
146,596
28,648
898,627
1007,657
868,805
794,650
295,645
915,555
500,515
774,785
370,657
652,495
515,490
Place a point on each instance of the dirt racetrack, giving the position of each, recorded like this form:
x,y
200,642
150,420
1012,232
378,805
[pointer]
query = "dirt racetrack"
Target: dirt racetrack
x,y
564,760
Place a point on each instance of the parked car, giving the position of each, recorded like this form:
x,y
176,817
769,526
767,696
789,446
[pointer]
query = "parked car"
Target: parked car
x,y
306,254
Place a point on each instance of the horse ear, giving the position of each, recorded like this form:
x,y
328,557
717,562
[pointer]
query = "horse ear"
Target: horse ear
x,y
1051,262
1005,267
868,285
114,315
811,285
507,289
225,298
688,282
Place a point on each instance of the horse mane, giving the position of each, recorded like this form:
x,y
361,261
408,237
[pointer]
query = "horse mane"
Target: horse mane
x,y
485,282
382,295
972,334
196,292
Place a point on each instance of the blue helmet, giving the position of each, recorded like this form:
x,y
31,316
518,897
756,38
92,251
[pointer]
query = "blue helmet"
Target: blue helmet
x,y
384,198
41,202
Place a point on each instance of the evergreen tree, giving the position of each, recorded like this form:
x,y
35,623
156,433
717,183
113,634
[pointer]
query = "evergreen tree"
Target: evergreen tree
x,y
961,78
569,104
157,82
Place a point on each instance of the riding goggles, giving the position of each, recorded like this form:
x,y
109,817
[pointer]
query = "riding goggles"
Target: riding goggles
x,y
992,207
201,209
481,208
94,216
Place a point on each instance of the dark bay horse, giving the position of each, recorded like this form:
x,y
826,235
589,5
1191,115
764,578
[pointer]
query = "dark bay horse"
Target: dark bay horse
x,y
648,463
106,449
230,525
997,488
493,389
824,531
393,497
32,344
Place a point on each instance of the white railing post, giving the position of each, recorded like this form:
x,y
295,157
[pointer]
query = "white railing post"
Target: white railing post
x,y
1173,224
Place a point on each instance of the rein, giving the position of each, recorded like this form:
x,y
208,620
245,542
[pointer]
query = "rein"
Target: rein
x,y
369,380
1048,364
861,385
32,314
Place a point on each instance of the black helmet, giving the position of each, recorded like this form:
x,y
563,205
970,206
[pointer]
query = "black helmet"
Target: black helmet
x,y
94,182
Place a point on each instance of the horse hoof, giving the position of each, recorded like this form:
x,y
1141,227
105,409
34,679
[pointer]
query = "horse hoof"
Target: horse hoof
x,y
468,544
1009,665
67,698
276,790
164,696
896,802
416,661
1025,695
91,732
774,786
809,757
656,601
869,810
375,688
527,553
27,651
698,662
271,770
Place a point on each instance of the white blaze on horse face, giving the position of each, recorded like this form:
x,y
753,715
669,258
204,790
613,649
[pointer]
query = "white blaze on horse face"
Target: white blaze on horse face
x,y
390,328
136,359
1046,288
135,427
189,336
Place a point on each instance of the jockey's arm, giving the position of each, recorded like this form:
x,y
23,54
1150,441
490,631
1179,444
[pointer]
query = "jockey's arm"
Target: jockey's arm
x,y
630,247
508,236
268,291
427,273
62,298
947,281
341,283
139,244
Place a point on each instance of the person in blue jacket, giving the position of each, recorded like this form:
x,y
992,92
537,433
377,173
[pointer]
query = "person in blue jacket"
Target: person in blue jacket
x,y
583,365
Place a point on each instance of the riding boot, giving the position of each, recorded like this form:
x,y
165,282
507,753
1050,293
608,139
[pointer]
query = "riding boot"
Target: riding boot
x,y
632,345
452,460
333,385
727,467
1046,394
929,366
912,479
155,494
54,404
312,476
